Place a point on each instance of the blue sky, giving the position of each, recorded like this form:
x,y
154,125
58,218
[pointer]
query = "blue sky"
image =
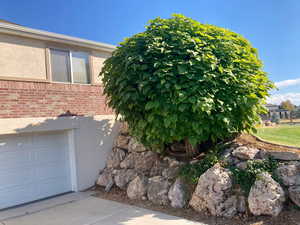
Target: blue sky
x,y
272,26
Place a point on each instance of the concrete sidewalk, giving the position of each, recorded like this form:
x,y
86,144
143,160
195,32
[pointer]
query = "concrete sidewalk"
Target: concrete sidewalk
x,y
94,211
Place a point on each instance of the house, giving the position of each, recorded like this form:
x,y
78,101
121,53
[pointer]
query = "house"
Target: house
x,y
277,110
55,129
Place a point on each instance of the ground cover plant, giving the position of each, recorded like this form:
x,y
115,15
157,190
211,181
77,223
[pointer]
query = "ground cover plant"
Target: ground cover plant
x,y
243,178
184,81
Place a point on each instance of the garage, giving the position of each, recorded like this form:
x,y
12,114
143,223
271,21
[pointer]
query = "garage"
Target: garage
x,y
34,166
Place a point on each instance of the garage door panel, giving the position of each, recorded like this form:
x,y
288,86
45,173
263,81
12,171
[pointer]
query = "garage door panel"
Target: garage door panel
x,y
52,170
16,178
41,140
15,158
8,142
17,195
59,186
37,168
51,154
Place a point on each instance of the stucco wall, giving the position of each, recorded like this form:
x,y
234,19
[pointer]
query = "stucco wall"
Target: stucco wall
x,y
92,139
98,60
26,58
22,58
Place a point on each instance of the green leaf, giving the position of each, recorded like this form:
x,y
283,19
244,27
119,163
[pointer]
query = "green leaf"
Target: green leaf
x,y
181,69
151,105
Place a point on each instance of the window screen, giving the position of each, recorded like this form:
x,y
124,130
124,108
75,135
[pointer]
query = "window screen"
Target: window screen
x,y
60,65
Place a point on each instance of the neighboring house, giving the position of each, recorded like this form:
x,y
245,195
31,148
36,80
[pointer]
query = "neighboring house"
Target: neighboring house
x,y
276,109
55,129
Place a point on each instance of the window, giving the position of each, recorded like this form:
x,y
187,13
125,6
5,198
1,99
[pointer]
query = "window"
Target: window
x,y
70,66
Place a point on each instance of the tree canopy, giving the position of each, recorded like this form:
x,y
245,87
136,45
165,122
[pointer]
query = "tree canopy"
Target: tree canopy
x,y
184,80
287,105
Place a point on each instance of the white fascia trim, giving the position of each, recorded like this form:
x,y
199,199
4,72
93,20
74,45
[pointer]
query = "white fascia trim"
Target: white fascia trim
x,y
49,36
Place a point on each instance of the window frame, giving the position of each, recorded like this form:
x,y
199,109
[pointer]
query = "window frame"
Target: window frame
x,y
69,50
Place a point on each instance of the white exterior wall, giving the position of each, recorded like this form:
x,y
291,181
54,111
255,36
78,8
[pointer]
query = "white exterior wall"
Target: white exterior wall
x,y
90,140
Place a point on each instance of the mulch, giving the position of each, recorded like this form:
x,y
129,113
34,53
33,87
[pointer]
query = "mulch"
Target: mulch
x,y
252,141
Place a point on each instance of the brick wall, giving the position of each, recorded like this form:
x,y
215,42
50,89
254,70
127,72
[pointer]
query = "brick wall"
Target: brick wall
x,y
35,99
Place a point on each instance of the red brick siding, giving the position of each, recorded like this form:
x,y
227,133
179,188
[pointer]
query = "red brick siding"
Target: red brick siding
x,y
35,99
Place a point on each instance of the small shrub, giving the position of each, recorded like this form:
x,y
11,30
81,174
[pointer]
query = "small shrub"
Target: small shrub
x,y
243,178
246,178
192,172
181,80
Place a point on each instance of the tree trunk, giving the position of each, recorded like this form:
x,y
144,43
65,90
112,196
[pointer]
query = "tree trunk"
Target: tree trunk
x,y
190,150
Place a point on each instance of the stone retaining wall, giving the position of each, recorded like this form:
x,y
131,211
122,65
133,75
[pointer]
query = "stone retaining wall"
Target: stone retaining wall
x,y
148,176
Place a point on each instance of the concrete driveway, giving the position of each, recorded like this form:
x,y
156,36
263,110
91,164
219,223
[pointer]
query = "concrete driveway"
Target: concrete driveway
x,y
85,210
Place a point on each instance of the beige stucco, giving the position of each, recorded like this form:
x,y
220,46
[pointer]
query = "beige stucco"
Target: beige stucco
x,y
98,59
28,59
22,57
92,140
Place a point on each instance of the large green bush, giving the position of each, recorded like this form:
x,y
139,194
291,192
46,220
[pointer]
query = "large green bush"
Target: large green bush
x,y
183,80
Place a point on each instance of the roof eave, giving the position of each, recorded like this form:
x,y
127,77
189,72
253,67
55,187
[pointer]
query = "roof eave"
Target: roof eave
x,y
49,36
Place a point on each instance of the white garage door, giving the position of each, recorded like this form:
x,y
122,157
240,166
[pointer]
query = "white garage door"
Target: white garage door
x,y
32,167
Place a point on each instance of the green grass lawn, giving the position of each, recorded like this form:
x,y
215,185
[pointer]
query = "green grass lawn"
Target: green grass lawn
x,y
282,134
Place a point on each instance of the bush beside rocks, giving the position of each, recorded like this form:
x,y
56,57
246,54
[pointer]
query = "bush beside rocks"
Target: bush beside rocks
x,y
145,175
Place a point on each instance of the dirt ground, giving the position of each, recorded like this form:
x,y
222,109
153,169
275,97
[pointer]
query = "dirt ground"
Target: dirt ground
x,y
253,141
289,216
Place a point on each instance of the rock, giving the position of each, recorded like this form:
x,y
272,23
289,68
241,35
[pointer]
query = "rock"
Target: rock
x,y
289,173
288,156
137,188
123,177
241,204
145,161
242,165
109,186
129,161
135,146
158,189
266,196
171,173
195,161
178,194
123,128
263,154
228,158
294,194
106,178
214,193
226,155
244,152
172,162
115,158
230,207
122,141
158,167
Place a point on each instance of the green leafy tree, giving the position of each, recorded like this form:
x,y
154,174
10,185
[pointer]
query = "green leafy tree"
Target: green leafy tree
x,y
181,80
288,105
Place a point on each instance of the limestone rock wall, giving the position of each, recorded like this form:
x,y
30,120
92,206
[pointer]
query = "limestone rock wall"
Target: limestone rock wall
x,y
148,176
